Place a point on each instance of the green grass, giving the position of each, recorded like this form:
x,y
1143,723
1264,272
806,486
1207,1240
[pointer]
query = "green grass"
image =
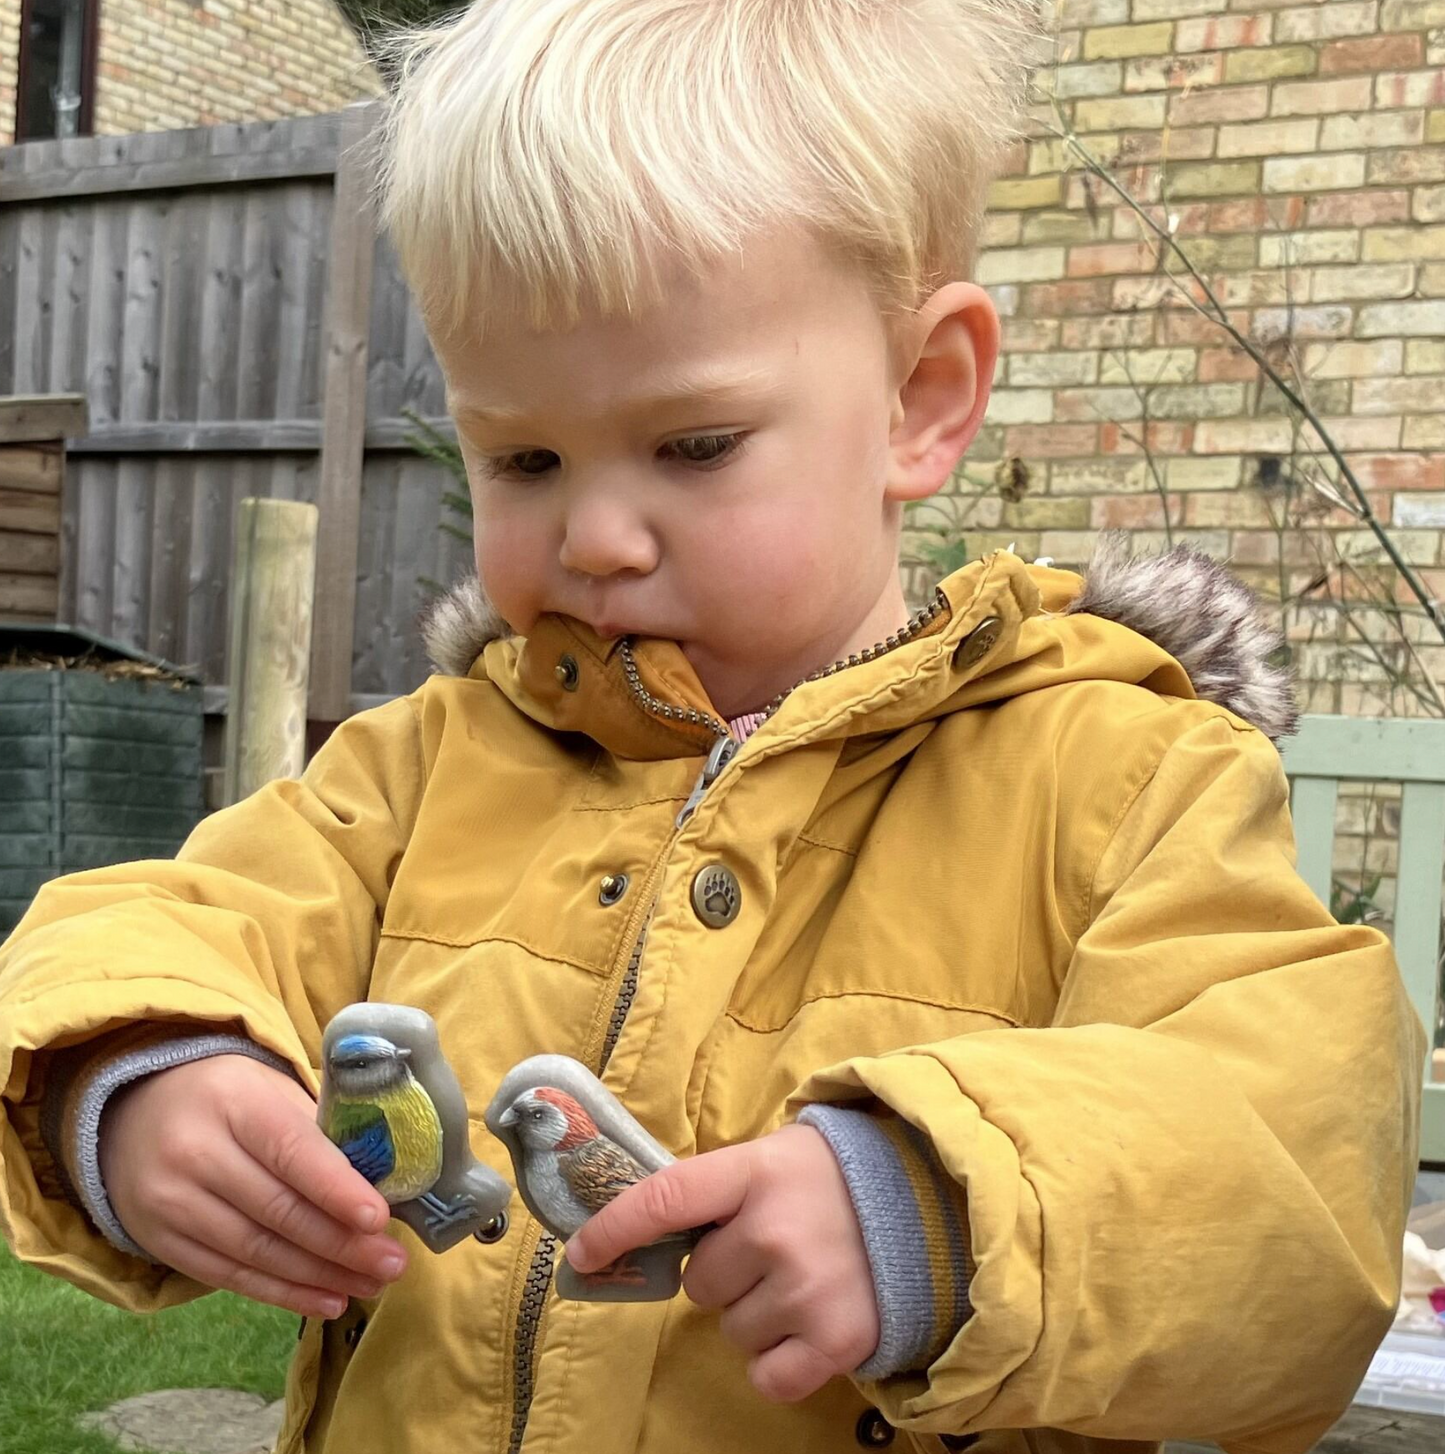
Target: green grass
x,y
63,1353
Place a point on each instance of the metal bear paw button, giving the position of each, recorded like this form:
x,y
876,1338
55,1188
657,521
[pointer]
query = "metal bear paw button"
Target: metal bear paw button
x,y
716,896
979,642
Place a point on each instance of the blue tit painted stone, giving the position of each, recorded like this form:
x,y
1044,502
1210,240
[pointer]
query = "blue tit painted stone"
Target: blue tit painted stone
x,y
381,1117
394,1106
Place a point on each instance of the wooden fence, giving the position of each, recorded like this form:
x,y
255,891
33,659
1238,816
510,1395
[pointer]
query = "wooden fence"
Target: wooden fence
x,y
221,299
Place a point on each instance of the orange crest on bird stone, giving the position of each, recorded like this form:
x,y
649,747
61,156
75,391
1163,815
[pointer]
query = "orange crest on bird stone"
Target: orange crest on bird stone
x,y
581,1128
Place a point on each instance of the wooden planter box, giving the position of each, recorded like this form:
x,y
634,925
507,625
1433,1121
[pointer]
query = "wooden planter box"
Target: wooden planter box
x,y
33,431
95,767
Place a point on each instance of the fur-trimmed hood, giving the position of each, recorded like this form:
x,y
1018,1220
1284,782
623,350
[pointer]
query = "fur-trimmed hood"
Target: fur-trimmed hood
x,y
1183,601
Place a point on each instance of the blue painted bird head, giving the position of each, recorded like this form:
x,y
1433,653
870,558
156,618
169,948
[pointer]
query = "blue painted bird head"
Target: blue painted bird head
x,y
364,1065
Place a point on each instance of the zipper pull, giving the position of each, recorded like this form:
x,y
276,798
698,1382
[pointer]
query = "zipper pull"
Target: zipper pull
x,y
723,752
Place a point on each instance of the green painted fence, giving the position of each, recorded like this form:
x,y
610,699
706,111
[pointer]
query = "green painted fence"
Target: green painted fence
x,y
1329,750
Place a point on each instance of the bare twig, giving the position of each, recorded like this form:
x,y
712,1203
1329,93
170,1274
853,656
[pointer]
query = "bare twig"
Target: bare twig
x,y
1214,310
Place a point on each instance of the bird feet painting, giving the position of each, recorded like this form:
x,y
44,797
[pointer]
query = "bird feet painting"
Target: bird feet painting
x,y
574,1148
391,1102
442,1215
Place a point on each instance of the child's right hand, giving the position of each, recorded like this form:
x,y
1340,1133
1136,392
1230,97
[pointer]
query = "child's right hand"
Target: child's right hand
x,y
218,1169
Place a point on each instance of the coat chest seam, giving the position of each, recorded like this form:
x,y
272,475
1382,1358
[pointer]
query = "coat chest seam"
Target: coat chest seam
x,y
1005,1020
551,956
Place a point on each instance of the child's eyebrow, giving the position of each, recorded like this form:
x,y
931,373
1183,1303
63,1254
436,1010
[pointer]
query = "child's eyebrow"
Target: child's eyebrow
x,y
706,388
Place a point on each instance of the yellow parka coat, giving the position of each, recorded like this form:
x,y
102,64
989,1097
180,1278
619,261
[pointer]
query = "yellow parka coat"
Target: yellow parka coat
x,y
1012,879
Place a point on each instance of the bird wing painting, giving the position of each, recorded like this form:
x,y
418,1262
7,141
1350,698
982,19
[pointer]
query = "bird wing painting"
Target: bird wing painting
x,y
597,1178
360,1131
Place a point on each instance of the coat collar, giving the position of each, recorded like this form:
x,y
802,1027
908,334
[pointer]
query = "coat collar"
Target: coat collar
x,y
1191,629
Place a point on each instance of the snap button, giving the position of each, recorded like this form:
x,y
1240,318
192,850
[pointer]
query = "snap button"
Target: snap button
x,y
958,1441
979,642
612,888
352,1336
492,1231
874,1431
568,673
716,896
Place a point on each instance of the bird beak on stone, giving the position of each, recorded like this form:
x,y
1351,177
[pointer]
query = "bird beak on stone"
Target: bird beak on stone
x,y
402,1052
508,1117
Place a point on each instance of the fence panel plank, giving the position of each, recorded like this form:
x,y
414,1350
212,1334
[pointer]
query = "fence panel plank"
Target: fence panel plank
x,y
179,281
1417,894
348,317
1312,807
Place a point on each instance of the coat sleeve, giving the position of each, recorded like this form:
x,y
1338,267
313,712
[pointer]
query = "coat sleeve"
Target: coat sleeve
x,y
1186,1195
264,925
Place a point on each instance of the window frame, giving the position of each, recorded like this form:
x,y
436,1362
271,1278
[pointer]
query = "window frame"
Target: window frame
x,y
89,39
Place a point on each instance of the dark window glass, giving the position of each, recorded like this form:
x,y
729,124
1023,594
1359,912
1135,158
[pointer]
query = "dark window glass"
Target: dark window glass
x,y
54,70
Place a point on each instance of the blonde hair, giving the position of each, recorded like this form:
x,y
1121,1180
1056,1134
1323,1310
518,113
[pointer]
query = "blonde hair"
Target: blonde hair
x,y
547,156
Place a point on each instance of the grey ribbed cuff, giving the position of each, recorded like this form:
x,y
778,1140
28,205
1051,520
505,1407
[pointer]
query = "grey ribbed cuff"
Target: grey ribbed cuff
x,y
83,1133
915,1231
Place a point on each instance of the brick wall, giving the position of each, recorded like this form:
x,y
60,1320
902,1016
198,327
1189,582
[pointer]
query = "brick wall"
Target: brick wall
x,y
175,63
1298,152
9,60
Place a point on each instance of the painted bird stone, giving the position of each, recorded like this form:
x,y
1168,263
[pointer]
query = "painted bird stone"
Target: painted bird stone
x,y
392,1104
574,1148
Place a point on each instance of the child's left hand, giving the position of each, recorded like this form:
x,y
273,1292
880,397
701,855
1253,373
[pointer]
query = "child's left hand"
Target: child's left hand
x,y
786,1265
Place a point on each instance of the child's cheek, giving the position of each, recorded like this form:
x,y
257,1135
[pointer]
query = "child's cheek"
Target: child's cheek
x,y
511,560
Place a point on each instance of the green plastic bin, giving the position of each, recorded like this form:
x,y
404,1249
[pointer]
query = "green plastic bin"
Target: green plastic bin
x,y
96,766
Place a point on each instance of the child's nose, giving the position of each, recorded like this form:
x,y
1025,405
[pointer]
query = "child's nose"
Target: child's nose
x,y
604,537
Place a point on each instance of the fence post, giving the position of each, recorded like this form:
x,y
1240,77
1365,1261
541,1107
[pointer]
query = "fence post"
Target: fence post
x,y
272,593
343,421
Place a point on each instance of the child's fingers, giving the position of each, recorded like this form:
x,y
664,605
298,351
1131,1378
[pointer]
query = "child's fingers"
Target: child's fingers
x,y
284,1137
215,1269
245,1184
755,1322
709,1188
791,1371
721,1269
232,1234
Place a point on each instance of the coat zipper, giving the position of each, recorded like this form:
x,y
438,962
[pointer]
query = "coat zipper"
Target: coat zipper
x,y
531,1311
924,616
539,1273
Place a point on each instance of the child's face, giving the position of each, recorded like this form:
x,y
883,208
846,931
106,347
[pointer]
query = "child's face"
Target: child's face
x,y
724,470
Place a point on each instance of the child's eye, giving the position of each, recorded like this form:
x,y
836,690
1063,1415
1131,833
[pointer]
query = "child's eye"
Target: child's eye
x,y
530,462
705,449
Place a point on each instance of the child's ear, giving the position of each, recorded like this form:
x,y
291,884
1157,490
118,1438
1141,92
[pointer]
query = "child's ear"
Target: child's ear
x,y
941,403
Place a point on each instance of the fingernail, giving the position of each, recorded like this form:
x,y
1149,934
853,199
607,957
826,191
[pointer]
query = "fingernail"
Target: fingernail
x,y
369,1219
392,1266
333,1307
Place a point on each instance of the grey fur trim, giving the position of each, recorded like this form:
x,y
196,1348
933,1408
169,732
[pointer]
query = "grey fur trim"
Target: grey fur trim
x,y
1211,623
458,625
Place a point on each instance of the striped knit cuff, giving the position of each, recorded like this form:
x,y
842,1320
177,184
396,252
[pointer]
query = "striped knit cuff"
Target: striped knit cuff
x,y
914,1219
84,1078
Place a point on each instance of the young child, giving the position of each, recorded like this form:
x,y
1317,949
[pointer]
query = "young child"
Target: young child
x,y
960,955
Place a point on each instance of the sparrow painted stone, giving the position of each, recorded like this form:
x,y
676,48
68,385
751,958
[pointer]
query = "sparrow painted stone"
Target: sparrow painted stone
x,y
391,1103
574,1148
572,1169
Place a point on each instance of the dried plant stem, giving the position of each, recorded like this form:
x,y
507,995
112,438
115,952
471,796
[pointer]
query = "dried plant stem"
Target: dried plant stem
x,y
1215,312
